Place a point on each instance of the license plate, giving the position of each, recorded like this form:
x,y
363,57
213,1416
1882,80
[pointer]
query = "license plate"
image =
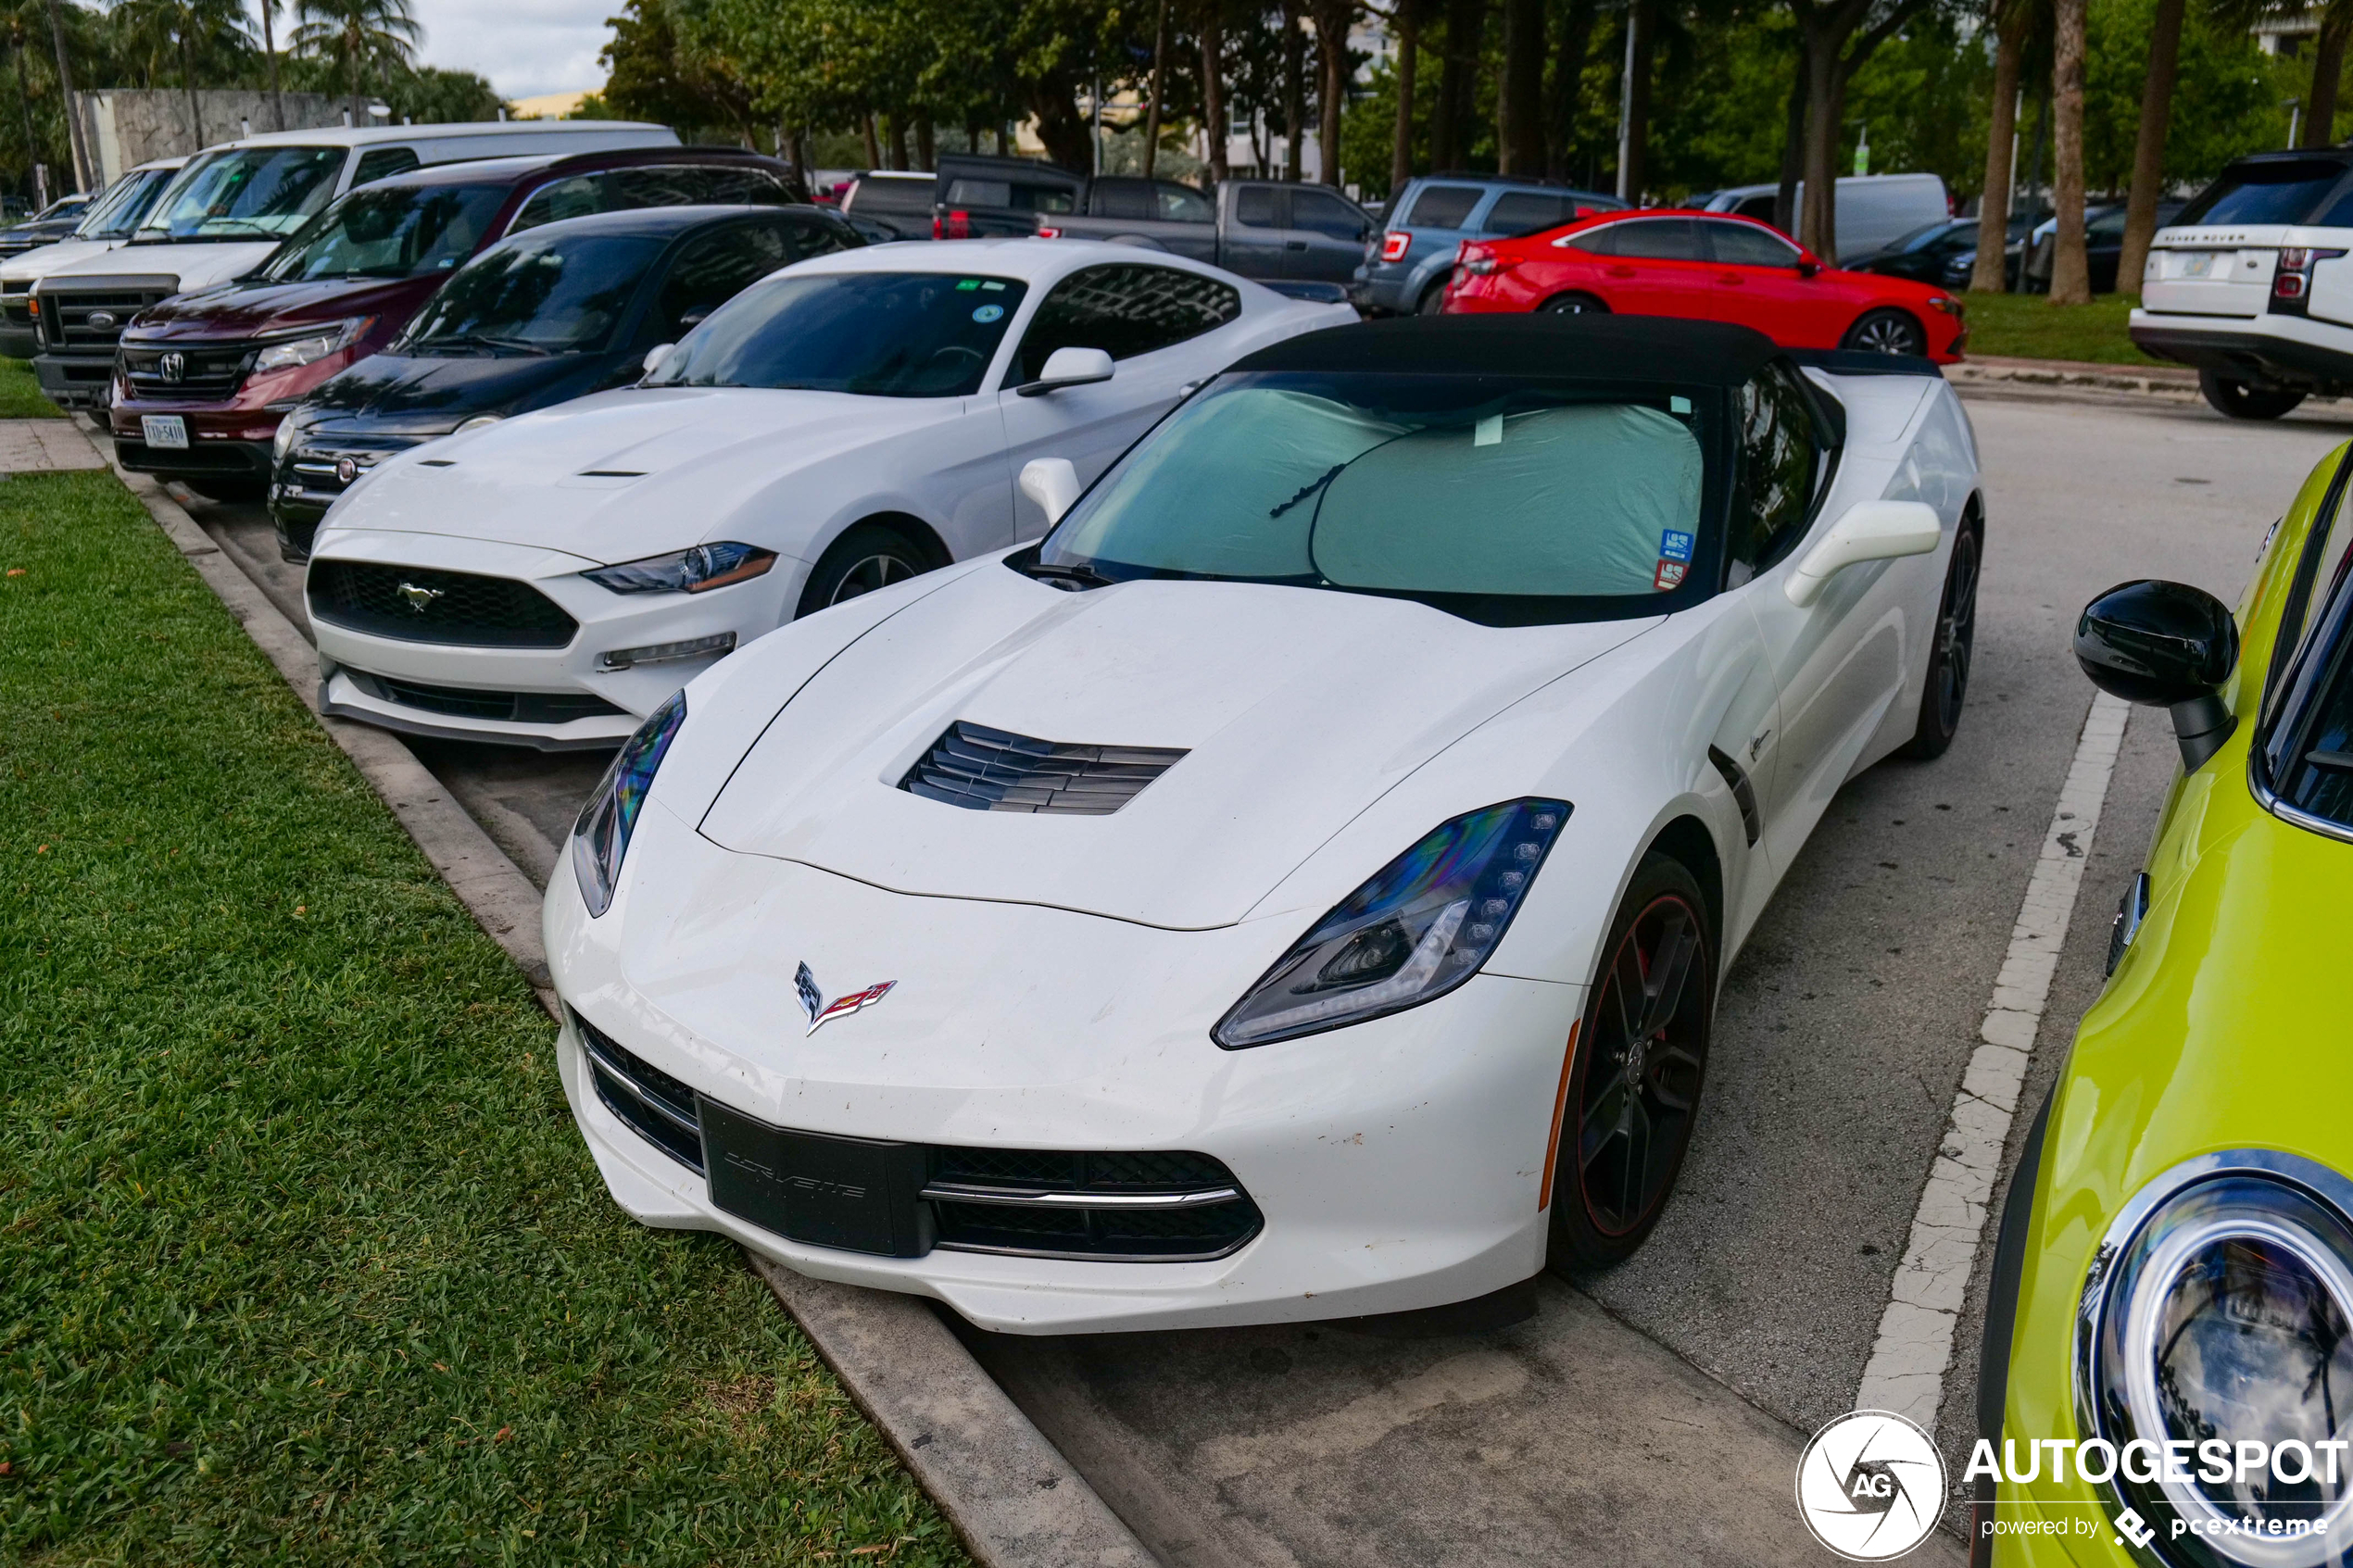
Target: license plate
x,y
856,1194
167,430
2205,263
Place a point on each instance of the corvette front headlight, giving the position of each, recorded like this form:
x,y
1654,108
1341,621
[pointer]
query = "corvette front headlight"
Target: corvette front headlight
x,y
1419,928
2216,1363
287,352
600,837
684,571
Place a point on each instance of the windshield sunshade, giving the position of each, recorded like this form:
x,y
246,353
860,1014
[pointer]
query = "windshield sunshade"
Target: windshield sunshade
x,y
885,334
1498,500
390,232
536,295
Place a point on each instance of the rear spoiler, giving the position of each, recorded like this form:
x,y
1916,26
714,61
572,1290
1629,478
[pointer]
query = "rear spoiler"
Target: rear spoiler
x,y
1855,362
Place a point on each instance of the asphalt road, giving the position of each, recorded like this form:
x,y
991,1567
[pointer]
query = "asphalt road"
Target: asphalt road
x,y
1654,1413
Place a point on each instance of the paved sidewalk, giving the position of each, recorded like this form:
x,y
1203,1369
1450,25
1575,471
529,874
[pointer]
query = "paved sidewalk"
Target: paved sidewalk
x,y
44,446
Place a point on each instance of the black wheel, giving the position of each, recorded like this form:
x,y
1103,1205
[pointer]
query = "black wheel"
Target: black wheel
x,y
2244,400
1433,300
867,557
1886,331
1949,656
1641,1054
1575,305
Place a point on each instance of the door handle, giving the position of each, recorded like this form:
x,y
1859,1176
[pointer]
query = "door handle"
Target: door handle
x,y
1294,244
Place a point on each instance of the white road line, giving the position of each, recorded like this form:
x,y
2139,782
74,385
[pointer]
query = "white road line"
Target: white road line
x,y
1914,1345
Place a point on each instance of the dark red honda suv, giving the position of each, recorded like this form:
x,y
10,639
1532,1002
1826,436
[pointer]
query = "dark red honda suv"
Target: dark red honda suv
x,y
201,380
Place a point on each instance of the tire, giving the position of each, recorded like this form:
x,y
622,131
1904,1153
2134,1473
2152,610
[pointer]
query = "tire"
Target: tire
x,y
1573,305
1886,330
2244,400
1617,1154
1949,660
1433,300
866,558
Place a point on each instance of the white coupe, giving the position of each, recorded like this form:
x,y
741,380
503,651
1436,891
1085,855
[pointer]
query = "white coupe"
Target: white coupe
x,y
843,425
1297,887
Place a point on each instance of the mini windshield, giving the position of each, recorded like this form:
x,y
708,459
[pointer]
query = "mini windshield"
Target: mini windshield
x,y
1492,497
887,334
534,295
250,194
390,232
117,213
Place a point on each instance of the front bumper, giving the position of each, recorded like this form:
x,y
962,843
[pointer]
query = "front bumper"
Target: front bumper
x,y
1397,1163
76,380
207,457
443,672
2269,349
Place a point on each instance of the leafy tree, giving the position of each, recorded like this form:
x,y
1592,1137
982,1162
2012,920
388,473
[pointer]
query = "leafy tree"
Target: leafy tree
x,y
364,38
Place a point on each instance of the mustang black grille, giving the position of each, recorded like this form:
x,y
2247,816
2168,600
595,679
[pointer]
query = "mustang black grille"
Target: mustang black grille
x,y
417,605
659,1108
987,770
464,702
206,371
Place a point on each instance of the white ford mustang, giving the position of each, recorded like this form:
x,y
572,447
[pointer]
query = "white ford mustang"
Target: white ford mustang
x,y
846,424
1298,887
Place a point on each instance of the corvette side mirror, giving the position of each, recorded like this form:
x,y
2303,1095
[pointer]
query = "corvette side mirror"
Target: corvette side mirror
x,y
1051,483
656,355
1870,530
1069,367
2164,645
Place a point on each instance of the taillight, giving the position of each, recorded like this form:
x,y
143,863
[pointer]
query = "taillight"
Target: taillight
x,y
2294,278
1047,230
1393,245
957,226
1472,260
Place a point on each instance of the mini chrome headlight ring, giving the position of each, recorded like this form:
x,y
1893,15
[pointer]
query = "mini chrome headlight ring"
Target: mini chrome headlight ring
x,y
2120,1263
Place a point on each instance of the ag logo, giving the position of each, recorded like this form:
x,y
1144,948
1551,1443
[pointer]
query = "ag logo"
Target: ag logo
x,y
1871,1485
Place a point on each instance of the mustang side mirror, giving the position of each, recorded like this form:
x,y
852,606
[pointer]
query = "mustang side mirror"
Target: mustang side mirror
x,y
1069,367
1051,483
1868,530
2164,645
656,355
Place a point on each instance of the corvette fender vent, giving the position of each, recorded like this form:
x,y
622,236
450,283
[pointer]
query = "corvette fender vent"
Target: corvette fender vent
x,y
985,770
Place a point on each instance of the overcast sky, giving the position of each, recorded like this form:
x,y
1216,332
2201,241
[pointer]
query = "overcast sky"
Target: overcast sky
x,y
523,46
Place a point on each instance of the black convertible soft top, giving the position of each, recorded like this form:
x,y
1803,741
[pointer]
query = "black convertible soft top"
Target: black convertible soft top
x,y
1640,348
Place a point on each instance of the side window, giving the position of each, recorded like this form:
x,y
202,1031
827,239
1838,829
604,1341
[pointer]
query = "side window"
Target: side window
x,y
692,185
1124,310
805,237
1528,212
1255,206
1182,204
1443,207
1779,457
1655,239
1758,207
382,163
576,198
1742,244
1121,198
709,271
1325,213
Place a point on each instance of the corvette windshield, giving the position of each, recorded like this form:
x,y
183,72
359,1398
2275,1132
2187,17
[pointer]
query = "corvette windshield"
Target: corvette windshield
x,y
1499,499
885,334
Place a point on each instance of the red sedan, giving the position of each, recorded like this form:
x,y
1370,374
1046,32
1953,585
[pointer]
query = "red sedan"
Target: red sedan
x,y
1709,267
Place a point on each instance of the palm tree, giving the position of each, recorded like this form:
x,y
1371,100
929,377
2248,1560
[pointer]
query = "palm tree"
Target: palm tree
x,y
356,34
187,30
2071,268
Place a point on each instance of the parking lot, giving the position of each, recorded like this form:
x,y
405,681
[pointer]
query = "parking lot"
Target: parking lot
x,y
1655,1413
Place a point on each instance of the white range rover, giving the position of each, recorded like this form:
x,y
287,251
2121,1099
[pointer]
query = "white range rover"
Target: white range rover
x,y
2253,283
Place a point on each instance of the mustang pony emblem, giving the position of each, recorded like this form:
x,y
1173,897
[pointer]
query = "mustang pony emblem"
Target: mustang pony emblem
x,y
819,1011
419,599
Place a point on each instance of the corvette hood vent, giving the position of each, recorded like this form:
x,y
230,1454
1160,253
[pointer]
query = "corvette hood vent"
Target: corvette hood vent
x,y
985,770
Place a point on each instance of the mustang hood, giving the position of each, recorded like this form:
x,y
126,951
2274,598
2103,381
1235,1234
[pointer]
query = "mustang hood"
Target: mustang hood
x,y
1295,710
627,473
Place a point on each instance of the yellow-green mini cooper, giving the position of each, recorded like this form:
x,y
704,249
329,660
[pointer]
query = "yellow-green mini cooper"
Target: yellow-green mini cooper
x,y
2168,1347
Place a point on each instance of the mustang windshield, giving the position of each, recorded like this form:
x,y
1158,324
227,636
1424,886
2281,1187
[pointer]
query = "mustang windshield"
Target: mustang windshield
x,y
1495,499
887,334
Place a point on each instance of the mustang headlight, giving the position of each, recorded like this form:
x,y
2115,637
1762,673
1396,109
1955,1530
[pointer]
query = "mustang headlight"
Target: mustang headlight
x,y
684,571
2216,1360
309,346
601,835
1419,928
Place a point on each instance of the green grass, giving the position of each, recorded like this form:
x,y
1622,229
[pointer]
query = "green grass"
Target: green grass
x,y
21,393
301,1259
2027,326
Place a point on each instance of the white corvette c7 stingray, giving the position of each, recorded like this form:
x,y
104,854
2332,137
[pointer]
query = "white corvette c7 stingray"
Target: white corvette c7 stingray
x,y
844,424
1298,886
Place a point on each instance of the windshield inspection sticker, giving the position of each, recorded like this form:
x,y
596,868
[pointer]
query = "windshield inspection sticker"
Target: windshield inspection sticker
x,y
1669,575
968,283
1489,432
1673,546
986,313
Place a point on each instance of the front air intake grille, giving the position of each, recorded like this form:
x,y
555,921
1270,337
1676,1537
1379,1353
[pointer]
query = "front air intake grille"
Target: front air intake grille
x,y
659,1108
987,770
466,702
417,605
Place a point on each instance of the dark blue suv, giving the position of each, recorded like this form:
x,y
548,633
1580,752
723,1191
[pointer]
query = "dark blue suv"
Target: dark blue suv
x,y
1405,268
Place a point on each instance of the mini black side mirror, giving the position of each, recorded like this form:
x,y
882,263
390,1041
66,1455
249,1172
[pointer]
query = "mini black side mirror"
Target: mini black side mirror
x,y
2164,645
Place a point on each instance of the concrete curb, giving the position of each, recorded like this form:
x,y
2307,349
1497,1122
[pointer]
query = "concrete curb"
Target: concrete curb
x,y
1011,1495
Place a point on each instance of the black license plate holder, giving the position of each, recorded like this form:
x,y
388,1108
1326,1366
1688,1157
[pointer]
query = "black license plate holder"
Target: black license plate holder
x,y
855,1194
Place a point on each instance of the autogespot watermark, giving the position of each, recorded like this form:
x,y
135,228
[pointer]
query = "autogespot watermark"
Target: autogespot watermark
x,y
1871,1485
2285,1468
